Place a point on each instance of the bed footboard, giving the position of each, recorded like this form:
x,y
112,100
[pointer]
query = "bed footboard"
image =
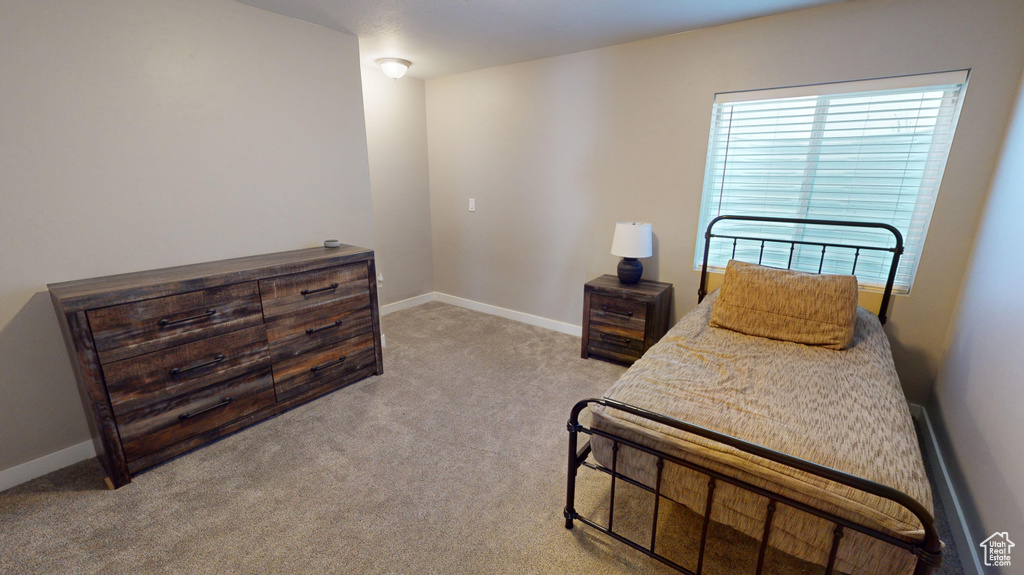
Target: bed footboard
x,y
928,551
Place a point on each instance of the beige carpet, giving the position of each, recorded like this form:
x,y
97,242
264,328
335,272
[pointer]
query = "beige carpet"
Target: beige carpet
x,y
453,461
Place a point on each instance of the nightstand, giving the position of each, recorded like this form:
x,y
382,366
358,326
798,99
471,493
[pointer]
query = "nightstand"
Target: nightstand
x,y
620,321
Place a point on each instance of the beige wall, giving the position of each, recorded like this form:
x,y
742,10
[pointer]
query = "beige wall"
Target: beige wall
x,y
396,137
555,151
138,135
979,387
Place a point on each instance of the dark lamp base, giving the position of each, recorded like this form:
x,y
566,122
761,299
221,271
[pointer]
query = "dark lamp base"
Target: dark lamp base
x,y
630,270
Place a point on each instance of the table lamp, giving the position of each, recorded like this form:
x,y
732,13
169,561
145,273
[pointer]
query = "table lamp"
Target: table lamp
x,y
632,240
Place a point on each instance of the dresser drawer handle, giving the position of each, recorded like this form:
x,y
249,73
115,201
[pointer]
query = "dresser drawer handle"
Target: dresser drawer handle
x,y
180,370
333,286
605,309
615,338
338,361
188,415
312,330
166,322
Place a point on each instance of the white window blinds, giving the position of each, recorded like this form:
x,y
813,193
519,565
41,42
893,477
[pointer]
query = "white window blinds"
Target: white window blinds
x,y
869,151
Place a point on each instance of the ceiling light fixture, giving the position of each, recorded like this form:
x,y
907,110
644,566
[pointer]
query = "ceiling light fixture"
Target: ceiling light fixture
x,y
393,68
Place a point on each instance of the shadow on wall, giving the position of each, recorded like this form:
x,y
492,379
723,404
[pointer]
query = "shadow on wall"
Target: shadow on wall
x,y
917,371
41,412
980,452
652,267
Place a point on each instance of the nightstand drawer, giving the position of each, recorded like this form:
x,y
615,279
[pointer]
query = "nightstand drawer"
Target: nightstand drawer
x,y
136,328
308,291
619,312
627,342
612,349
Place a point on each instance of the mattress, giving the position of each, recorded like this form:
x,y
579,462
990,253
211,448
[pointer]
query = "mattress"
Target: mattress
x,y
841,409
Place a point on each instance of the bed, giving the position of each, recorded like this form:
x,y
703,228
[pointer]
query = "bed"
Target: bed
x,y
811,451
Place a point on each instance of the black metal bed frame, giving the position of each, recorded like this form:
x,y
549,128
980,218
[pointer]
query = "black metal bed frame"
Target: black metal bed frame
x,y
928,551
896,250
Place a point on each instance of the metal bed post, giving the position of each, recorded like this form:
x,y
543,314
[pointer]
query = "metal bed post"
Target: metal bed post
x,y
576,458
570,488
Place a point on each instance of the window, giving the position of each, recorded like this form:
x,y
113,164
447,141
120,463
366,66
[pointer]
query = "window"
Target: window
x,y
864,151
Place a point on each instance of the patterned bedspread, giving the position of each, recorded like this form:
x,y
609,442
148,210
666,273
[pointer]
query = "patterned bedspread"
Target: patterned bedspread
x,y
842,409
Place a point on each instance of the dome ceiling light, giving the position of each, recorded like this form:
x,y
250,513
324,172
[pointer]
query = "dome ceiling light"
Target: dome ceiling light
x,y
393,68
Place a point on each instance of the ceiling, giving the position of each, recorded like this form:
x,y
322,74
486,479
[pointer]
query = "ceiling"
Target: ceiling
x,y
444,37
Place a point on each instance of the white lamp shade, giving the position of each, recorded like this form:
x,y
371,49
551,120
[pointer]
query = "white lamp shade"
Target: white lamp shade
x,y
632,240
394,68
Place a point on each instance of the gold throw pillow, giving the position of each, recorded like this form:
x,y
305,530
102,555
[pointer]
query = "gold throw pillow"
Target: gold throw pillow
x,y
787,305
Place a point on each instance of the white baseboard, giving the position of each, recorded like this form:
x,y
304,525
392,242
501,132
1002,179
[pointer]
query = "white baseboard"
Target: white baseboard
x,y
46,464
519,316
963,539
514,315
407,303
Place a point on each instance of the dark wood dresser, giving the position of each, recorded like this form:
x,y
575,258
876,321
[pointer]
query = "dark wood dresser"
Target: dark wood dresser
x,y
621,321
168,360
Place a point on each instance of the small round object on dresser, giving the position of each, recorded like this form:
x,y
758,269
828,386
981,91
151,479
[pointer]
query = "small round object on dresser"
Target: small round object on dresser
x,y
331,243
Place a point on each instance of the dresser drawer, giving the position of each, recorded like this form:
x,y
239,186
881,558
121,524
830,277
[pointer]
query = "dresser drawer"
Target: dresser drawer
x,y
308,291
157,377
627,314
295,375
149,429
136,328
294,335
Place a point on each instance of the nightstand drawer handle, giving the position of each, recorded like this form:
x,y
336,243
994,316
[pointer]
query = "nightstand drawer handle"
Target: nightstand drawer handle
x,y
312,330
216,359
188,415
317,368
333,286
166,322
605,309
615,338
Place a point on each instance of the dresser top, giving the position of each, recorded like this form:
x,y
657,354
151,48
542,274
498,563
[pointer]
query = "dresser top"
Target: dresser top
x,y
92,293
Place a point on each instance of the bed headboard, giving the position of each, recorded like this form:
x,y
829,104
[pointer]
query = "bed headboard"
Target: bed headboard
x,y
857,250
